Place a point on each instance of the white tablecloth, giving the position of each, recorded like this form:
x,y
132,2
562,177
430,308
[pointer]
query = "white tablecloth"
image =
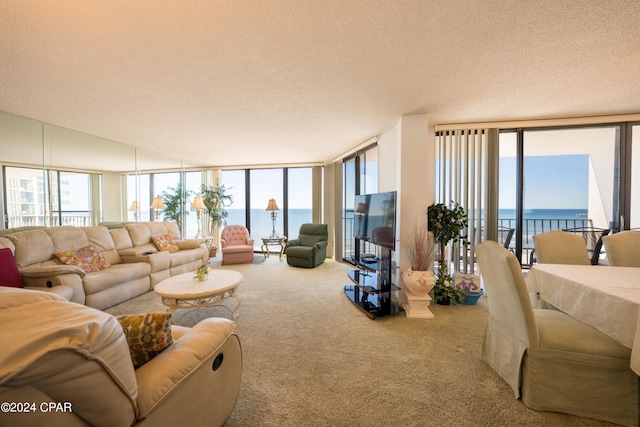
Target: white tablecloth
x,y
606,298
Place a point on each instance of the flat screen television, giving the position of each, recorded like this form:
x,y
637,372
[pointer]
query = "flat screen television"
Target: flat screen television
x,y
375,218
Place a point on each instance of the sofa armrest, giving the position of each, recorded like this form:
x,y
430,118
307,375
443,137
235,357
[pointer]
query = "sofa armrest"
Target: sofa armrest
x,y
321,245
64,291
48,271
137,251
293,242
249,242
187,360
223,243
188,243
158,261
58,284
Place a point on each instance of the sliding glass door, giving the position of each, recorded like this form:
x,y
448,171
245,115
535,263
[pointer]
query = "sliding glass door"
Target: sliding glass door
x,y
633,220
558,179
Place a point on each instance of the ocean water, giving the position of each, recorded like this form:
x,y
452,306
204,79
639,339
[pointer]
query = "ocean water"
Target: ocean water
x,y
535,220
261,224
545,213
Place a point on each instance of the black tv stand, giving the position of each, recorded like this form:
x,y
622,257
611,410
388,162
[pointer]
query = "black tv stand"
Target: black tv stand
x,y
372,290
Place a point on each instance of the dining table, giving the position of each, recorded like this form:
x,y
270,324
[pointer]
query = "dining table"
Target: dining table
x,y
606,298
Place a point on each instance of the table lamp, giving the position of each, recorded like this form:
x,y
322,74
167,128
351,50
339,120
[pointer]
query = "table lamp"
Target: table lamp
x,y
134,208
157,205
273,207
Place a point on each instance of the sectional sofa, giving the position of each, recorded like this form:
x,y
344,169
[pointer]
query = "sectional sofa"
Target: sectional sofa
x,y
130,262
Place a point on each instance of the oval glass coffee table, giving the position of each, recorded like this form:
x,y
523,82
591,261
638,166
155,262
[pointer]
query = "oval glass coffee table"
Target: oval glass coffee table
x,y
183,291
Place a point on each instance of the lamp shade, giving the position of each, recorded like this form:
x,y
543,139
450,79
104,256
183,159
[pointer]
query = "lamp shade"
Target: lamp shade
x,y
198,203
272,206
134,206
361,208
157,203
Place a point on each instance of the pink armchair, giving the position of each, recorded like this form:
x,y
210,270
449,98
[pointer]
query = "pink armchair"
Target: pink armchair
x,y
237,245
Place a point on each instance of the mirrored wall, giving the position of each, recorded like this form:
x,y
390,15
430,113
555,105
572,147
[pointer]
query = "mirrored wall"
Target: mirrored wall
x,y
57,176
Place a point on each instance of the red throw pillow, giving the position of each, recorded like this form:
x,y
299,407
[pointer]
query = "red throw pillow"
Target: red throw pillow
x,y
9,274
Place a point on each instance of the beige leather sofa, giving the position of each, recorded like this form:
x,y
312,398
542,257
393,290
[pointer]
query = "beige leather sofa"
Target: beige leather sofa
x,y
136,264
134,243
64,364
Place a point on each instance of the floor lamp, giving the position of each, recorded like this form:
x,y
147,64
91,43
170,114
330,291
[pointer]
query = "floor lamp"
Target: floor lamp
x,y
199,206
273,207
361,210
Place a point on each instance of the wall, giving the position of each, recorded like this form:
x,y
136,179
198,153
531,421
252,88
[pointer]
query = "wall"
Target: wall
x,y
406,159
112,208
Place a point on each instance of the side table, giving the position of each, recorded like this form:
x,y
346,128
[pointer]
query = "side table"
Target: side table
x,y
267,241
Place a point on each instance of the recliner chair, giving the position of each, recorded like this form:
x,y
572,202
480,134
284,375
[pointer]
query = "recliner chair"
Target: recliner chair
x,y
310,248
77,359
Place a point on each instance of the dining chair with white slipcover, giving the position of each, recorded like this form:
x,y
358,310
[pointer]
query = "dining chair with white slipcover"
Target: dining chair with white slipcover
x,y
623,249
561,247
552,361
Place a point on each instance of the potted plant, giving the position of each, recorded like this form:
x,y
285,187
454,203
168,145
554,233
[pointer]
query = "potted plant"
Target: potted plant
x,y
447,224
175,201
419,246
215,199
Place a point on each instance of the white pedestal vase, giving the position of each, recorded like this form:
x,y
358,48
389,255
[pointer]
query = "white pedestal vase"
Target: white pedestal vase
x,y
416,301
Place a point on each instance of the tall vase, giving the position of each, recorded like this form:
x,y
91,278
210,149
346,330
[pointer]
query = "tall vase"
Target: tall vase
x,y
418,283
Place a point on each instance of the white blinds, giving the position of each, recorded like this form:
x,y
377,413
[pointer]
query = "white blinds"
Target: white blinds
x,y
466,176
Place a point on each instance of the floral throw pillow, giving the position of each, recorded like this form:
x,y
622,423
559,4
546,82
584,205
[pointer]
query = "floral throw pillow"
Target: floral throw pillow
x,y
87,258
147,335
165,243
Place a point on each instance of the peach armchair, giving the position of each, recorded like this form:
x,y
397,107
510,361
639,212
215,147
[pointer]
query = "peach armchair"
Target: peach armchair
x,y
236,244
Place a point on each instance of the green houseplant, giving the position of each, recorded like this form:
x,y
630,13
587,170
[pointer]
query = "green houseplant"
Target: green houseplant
x,y
175,204
447,224
215,199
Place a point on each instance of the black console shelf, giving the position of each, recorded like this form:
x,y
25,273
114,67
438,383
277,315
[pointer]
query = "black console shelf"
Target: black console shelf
x,y
373,292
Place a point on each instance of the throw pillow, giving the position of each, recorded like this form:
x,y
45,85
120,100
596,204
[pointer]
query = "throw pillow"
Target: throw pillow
x,y
147,335
9,274
87,258
165,243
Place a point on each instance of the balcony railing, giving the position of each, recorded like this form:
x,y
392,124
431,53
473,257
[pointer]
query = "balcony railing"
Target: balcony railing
x,y
531,227
78,220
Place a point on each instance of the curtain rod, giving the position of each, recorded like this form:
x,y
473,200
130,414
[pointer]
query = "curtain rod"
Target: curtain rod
x,y
567,121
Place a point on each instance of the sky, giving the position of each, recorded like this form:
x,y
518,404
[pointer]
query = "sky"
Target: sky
x,y
551,182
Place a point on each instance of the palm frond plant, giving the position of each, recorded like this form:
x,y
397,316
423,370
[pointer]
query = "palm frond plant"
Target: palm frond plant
x,y
216,199
175,201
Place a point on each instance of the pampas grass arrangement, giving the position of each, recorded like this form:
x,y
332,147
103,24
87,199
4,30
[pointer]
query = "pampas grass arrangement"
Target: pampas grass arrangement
x,y
420,247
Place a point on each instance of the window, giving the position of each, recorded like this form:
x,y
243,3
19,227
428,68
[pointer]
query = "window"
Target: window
x,y
360,176
634,217
265,184
568,181
254,188
66,200
235,183
299,199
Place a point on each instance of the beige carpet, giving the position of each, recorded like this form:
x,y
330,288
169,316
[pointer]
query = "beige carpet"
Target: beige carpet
x,y
311,358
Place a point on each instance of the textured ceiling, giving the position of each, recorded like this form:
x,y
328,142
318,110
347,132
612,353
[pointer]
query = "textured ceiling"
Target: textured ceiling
x,y
266,82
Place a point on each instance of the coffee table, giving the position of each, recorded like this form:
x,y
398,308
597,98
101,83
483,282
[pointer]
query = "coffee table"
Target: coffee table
x,y
183,291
